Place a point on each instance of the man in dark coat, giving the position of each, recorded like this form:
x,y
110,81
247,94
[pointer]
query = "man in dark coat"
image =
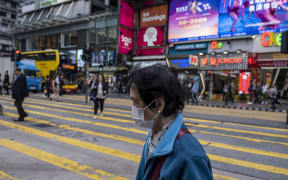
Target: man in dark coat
x,y
6,82
19,92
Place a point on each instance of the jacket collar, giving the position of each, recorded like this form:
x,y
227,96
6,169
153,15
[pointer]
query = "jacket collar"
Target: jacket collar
x,y
166,144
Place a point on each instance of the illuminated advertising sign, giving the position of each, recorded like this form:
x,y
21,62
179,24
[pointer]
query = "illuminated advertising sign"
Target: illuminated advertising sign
x,y
126,14
151,36
232,61
216,45
154,16
244,82
209,19
269,39
125,41
192,20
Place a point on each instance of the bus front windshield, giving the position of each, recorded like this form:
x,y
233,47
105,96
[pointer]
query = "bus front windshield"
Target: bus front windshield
x,y
31,73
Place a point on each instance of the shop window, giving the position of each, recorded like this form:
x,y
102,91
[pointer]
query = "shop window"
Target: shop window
x,y
101,36
92,36
100,56
101,23
111,55
112,21
112,34
49,42
70,38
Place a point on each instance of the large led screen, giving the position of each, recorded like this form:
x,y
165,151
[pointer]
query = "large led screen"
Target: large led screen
x,y
196,20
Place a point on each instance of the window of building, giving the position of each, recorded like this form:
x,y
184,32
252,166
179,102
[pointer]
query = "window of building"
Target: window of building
x,y
13,16
112,21
13,4
101,23
111,57
101,36
23,44
34,43
92,36
4,25
4,14
112,34
70,38
101,55
49,42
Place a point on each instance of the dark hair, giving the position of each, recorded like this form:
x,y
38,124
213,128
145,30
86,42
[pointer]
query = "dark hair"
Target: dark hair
x,y
159,81
18,69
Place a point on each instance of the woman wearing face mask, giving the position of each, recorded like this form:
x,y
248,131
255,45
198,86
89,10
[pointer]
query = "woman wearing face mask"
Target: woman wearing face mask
x,y
170,151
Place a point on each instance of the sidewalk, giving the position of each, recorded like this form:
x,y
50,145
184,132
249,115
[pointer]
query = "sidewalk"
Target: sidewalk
x,y
258,107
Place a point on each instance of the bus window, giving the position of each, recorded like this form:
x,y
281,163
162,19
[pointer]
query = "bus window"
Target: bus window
x,y
31,73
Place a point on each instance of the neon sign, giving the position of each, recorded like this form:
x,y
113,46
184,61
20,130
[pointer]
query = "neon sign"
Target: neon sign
x,y
269,39
216,45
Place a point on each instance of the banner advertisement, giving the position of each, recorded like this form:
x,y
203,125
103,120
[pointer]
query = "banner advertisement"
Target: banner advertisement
x,y
80,61
154,16
151,36
210,19
126,14
150,51
125,41
192,20
232,61
244,82
45,3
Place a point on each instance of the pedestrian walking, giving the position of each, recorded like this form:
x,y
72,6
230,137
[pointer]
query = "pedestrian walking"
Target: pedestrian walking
x,y
251,89
19,92
195,89
61,84
257,92
48,88
274,96
1,85
265,96
6,82
170,150
56,87
225,91
99,91
229,94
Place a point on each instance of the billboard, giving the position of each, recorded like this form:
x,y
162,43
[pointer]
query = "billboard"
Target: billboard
x,y
154,16
126,14
192,20
151,36
45,3
125,41
244,82
209,19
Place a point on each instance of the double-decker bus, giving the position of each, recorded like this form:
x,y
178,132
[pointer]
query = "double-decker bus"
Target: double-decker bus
x,y
53,62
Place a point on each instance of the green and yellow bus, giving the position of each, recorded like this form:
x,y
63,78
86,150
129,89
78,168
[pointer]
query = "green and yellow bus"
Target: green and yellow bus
x,y
53,62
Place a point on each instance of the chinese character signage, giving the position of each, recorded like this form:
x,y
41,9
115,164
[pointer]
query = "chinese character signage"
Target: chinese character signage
x,y
154,16
125,41
45,3
232,61
191,19
209,19
126,14
193,60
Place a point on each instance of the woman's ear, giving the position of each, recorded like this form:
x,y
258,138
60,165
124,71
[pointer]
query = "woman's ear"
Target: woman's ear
x,y
160,103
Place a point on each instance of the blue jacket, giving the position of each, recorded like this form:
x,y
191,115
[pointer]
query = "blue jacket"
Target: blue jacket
x,y
186,158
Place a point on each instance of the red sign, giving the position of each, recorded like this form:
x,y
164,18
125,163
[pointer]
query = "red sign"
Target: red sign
x,y
126,14
151,36
125,41
233,61
150,51
193,60
216,45
244,82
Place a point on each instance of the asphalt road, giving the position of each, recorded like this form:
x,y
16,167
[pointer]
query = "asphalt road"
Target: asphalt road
x,y
61,140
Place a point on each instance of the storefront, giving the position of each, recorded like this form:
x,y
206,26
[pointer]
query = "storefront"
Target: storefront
x,y
273,65
220,69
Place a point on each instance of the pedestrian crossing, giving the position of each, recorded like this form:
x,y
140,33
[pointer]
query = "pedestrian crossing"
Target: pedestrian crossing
x,y
62,115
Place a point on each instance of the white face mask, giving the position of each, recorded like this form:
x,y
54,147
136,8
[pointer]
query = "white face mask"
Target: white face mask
x,y
138,113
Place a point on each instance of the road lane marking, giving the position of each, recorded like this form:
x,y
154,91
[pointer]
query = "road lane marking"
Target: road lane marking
x,y
94,133
74,142
58,161
134,157
185,118
237,130
192,131
218,176
244,138
139,142
5,176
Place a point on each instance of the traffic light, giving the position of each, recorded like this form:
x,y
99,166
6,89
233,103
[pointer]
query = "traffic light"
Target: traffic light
x,y
18,54
284,42
100,68
86,54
